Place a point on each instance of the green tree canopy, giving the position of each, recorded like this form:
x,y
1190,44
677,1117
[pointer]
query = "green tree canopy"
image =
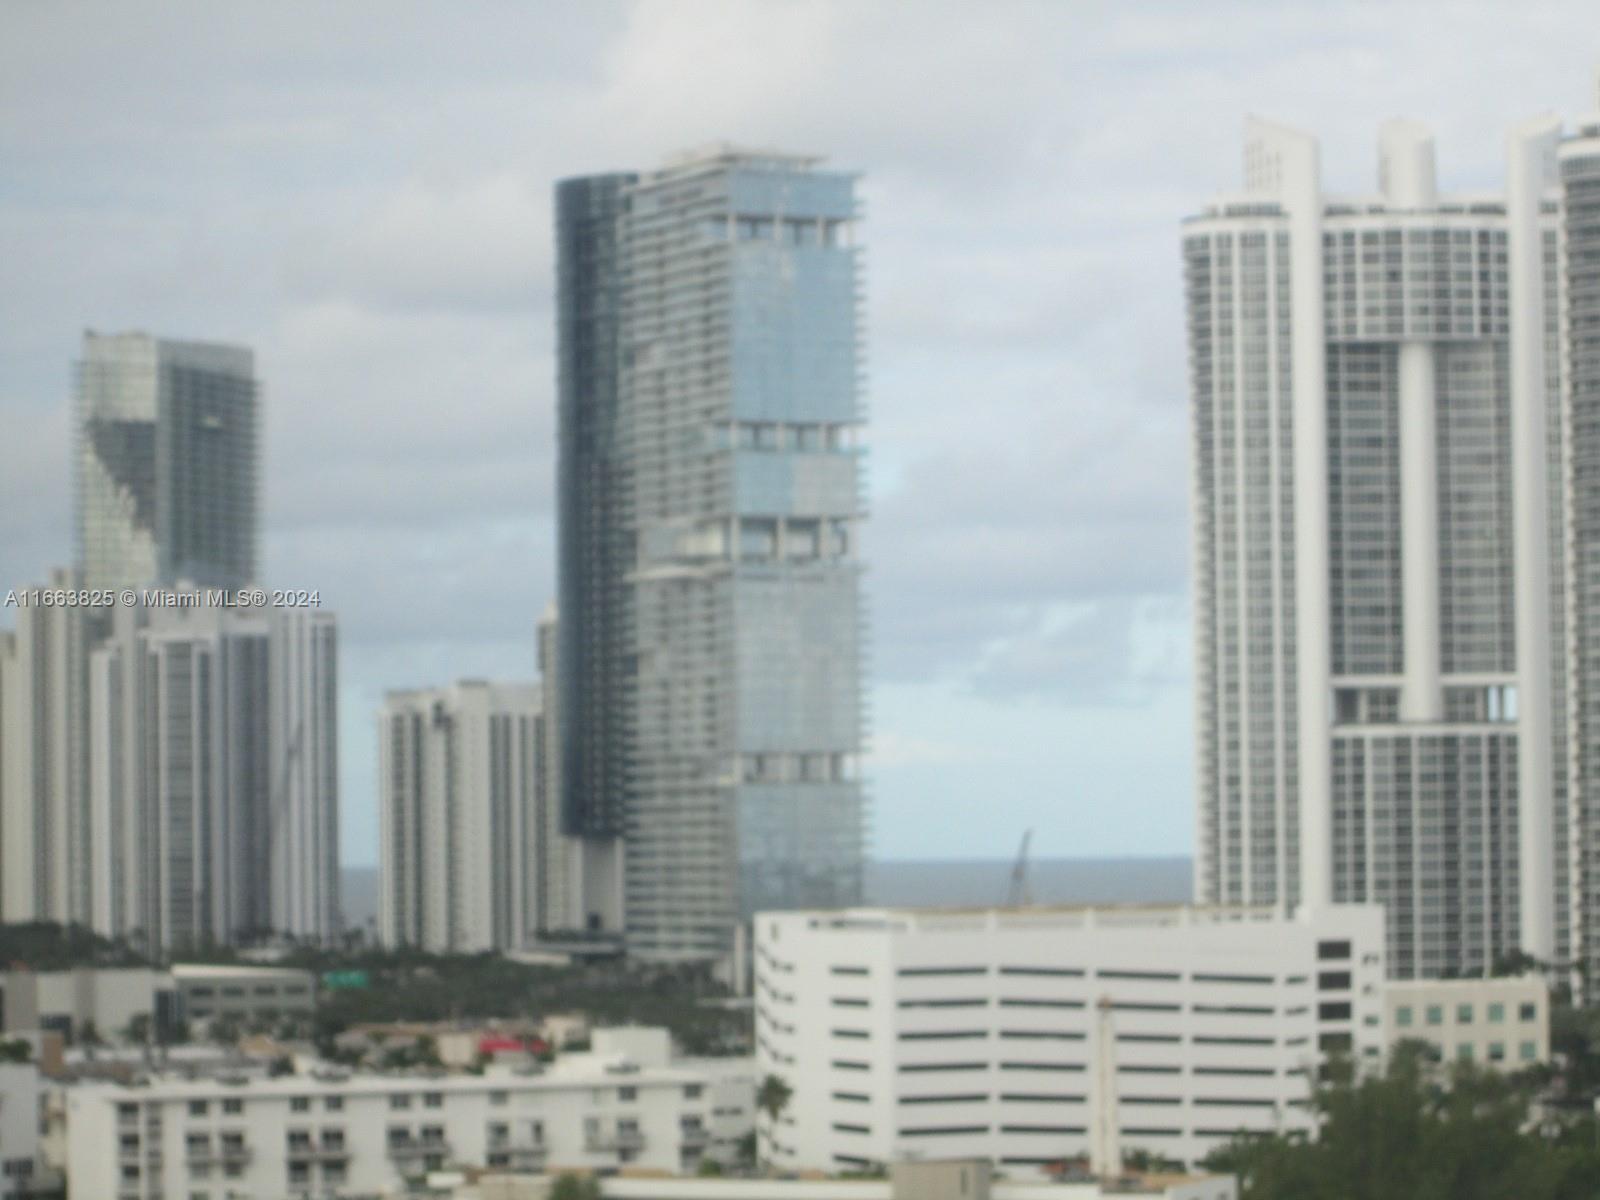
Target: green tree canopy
x,y
1410,1134
575,1187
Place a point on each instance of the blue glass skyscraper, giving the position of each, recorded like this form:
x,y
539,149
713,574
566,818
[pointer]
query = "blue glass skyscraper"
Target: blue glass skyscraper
x,y
710,500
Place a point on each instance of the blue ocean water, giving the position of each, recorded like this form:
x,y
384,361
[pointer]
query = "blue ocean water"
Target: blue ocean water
x,y
937,882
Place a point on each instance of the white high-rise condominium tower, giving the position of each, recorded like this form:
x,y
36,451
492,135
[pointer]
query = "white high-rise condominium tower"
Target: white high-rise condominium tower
x,y
1398,616
44,775
1378,549
213,767
1578,292
710,497
459,849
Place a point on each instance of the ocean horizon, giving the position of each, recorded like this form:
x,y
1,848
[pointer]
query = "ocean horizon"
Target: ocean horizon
x,y
950,882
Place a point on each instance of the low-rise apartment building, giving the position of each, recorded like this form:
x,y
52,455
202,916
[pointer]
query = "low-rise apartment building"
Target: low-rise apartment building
x,y
140,1003
905,1034
1499,1023
247,994
626,1104
23,1171
88,1002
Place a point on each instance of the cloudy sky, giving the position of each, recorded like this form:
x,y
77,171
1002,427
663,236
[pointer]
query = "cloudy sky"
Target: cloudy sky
x,y
361,192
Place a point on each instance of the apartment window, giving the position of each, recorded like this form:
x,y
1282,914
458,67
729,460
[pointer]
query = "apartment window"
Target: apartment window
x,y
1463,1014
299,1103
691,1091
1527,1051
1337,1011
433,1099
1497,1052
1497,1014
1527,1012
1402,1016
233,1107
399,1101
1333,950
1464,1052
627,1093
1333,981
334,1104
499,1098
1435,1014
198,1108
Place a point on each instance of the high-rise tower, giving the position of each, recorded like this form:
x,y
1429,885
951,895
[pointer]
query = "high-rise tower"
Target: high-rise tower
x,y
710,498
1378,548
166,462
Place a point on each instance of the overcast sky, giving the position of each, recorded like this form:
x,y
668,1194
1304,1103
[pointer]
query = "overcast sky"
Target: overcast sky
x,y
361,192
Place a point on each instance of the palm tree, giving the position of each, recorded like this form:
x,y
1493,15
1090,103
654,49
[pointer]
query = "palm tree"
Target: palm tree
x,y
773,1096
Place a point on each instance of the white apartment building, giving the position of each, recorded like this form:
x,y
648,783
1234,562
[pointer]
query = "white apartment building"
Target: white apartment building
x,y
247,994
459,855
108,999
1396,540
974,1033
44,820
213,760
21,1166
1498,1023
111,1000
626,1104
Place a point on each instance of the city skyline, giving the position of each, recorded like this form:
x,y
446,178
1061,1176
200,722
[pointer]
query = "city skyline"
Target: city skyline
x,y
1029,612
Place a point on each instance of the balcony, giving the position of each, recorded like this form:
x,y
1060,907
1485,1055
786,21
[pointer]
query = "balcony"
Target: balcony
x,y
695,1137
618,1140
406,1148
227,1155
524,1151
310,1152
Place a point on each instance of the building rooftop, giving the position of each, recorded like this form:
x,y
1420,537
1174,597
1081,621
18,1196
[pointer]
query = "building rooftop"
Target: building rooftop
x,y
184,972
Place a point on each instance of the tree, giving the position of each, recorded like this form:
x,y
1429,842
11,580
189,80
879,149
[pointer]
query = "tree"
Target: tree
x,y
1407,1134
575,1187
709,1168
773,1096
15,1050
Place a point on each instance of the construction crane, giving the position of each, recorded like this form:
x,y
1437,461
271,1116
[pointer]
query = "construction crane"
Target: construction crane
x,y
1020,894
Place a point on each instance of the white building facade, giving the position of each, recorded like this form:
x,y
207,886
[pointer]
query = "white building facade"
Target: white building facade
x,y
459,852
1378,546
44,778
907,1034
213,748
1396,546
624,1105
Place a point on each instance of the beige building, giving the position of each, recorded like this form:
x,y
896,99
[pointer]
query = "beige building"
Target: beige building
x,y
1501,1023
